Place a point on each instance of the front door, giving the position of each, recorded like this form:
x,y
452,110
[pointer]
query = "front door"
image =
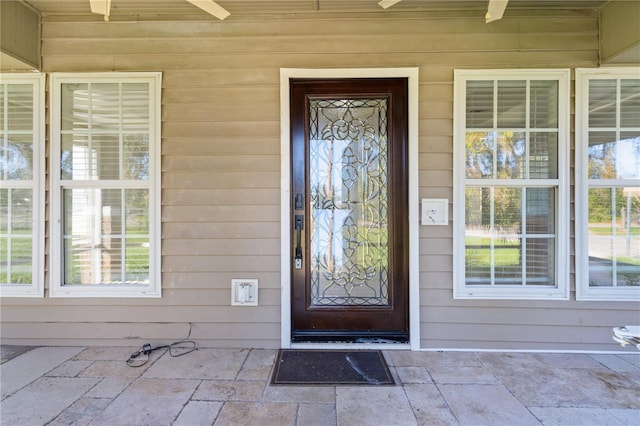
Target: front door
x,y
349,210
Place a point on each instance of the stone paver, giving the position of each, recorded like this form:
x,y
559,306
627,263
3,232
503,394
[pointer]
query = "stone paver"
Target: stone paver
x,y
486,405
301,394
412,374
9,352
258,365
94,386
229,390
379,405
197,413
317,414
149,401
200,364
576,416
24,369
461,375
43,400
257,413
429,406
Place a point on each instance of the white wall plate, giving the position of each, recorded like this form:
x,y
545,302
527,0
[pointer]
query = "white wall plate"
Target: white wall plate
x,y
435,211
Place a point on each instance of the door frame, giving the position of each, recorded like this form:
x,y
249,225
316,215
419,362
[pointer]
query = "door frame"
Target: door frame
x,y
285,201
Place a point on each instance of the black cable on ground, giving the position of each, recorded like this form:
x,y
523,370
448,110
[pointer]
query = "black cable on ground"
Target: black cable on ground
x,y
176,349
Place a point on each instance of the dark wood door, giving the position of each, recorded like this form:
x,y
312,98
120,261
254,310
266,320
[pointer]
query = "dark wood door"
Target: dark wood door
x,y
349,210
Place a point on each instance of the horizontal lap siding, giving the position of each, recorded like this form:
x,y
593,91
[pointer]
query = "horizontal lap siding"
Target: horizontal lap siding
x,y
221,168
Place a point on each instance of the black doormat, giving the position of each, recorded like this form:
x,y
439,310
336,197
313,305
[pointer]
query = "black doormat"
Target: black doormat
x,y
311,367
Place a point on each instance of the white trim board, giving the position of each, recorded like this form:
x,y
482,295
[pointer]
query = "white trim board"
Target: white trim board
x,y
285,190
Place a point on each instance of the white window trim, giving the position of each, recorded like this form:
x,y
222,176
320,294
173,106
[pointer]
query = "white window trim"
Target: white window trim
x,y
583,290
460,289
36,289
56,259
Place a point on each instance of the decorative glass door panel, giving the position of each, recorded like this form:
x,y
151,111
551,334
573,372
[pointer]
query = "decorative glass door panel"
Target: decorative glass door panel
x,y
349,208
348,247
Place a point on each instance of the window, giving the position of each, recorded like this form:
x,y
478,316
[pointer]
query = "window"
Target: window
x,y
510,174
105,197
608,184
21,184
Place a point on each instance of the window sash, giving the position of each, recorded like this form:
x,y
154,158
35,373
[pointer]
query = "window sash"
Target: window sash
x,y
539,273
607,109
22,185
106,140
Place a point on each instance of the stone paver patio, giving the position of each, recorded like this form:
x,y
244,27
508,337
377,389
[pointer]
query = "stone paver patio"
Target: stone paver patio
x,y
94,386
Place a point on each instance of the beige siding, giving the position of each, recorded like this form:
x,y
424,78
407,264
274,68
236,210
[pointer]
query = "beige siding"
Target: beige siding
x,y
221,170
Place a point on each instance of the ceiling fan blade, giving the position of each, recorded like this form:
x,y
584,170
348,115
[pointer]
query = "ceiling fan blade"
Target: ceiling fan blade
x,y
101,7
387,3
495,10
211,7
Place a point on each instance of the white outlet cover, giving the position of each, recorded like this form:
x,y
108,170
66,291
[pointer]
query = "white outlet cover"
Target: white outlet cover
x,y
244,292
435,211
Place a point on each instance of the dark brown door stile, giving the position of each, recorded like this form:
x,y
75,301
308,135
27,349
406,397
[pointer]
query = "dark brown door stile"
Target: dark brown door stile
x,y
349,210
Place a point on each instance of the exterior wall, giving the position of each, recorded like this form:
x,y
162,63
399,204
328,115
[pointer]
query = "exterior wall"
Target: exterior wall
x,y
221,170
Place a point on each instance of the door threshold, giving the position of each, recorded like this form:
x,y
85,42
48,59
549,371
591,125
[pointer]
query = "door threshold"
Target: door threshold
x,y
351,346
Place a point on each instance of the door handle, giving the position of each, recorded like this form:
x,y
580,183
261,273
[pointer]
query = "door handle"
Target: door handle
x,y
298,225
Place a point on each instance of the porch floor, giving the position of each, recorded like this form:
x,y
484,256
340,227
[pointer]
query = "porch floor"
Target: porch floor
x,y
94,385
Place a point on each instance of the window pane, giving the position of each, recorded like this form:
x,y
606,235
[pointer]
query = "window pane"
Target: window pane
x,y
136,156
20,107
627,239
477,236
541,210
137,212
511,155
511,103
508,210
137,232
541,261
479,155
137,260
75,107
4,259
614,236
96,244
477,259
602,103
16,236
600,262
630,103
21,202
75,157
106,151
508,260
111,141
105,106
613,159
543,104
16,157
543,155
4,209
3,97
20,270
479,104
496,249
135,107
